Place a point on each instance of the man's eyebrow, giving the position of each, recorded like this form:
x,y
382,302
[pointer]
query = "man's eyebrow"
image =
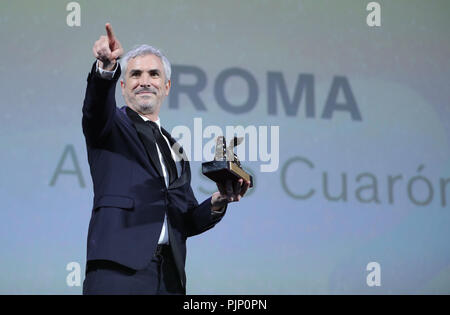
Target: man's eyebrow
x,y
138,71
135,71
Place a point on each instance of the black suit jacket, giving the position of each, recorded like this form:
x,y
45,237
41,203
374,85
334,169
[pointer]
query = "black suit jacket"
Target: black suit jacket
x,y
130,195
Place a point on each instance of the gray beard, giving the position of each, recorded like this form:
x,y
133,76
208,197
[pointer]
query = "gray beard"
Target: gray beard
x,y
146,108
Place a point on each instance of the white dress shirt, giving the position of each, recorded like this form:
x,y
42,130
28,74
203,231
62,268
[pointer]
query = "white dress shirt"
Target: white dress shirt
x,y
164,236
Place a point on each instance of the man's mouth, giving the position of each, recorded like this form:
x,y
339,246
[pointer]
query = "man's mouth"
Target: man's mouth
x,y
145,92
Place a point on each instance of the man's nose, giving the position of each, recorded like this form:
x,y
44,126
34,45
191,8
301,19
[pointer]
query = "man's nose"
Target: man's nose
x,y
145,80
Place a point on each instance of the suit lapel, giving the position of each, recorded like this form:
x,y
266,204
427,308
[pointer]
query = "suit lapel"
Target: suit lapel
x,y
147,139
149,142
185,176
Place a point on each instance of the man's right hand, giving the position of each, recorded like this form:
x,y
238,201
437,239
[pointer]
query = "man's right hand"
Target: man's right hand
x,y
107,49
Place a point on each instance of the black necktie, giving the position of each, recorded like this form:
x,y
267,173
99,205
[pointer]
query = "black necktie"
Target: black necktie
x,y
165,151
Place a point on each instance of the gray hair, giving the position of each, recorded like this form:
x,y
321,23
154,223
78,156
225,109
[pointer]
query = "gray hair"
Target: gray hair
x,y
142,50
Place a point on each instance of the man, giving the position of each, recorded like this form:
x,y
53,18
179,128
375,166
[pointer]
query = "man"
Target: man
x,y
144,207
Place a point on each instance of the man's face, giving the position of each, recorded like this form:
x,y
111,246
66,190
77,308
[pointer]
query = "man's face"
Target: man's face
x,y
144,87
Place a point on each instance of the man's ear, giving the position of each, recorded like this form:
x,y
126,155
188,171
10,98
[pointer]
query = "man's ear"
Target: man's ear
x,y
167,87
122,85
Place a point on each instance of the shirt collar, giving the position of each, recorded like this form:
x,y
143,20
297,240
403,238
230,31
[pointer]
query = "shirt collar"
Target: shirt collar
x,y
158,121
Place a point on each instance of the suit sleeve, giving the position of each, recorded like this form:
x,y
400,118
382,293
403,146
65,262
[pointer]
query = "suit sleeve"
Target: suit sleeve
x,y
99,106
200,216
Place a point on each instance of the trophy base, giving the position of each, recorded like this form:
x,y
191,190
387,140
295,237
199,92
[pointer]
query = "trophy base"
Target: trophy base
x,y
221,171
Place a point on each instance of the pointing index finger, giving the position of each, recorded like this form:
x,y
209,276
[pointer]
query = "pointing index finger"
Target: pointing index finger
x,y
110,33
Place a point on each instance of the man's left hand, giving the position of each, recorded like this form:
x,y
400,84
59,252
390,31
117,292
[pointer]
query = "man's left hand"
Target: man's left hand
x,y
228,192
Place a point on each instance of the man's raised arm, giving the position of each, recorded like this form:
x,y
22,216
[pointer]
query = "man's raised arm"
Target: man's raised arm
x,y
99,103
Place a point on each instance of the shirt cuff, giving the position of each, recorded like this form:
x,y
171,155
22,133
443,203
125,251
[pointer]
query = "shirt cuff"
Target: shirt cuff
x,y
220,211
104,74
